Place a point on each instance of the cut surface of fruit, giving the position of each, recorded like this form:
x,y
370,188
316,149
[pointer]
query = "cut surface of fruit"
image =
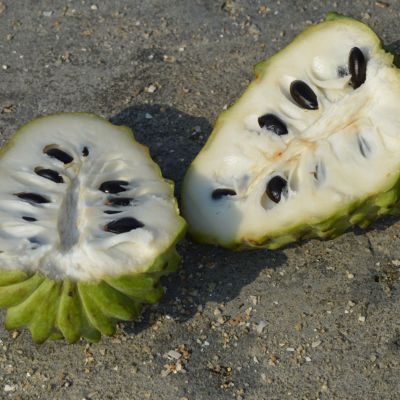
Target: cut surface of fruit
x,y
82,209
311,148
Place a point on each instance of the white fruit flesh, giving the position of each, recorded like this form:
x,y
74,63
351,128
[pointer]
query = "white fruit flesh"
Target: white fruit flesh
x,y
345,151
68,236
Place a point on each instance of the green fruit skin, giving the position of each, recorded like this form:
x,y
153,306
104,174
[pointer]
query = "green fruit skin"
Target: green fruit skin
x,y
361,212
53,309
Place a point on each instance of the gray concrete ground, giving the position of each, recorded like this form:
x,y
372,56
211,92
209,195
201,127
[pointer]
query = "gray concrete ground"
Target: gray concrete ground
x,y
318,320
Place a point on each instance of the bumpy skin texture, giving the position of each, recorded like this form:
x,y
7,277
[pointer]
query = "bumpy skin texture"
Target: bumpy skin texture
x,y
361,212
56,309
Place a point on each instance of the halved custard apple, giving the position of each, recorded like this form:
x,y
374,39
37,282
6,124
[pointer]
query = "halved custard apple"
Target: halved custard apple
x,y
310,149
87,227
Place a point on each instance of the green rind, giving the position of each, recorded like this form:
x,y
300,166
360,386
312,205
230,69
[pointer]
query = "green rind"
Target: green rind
x,y
69,316
65,309
111,302
17,292
37,312
94,314
10,277
143,287
360,213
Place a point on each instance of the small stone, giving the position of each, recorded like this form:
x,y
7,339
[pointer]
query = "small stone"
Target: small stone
x,y
298,327
316,343
15,334
47,13
382,4
260,326
148,116
221,320
396,263
150,89
254,30
7,109
308,359
263,10
173,354
350,275
94,7
290,349
169,59
253,299
361,318
9,388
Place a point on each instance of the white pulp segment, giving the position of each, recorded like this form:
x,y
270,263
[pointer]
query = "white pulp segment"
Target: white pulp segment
x,y
346,150
67,237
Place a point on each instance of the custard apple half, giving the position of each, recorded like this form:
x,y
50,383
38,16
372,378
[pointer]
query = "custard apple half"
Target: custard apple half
x,y
87,227
311,148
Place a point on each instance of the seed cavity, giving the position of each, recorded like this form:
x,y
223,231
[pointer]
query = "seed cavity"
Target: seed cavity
x,y
60,155
320,172
357,67
342,71
363,146
85,151
119,201
123,225
49,174
112,212
303,95
113,186
275,187
29,219
219,193
35,240
272,123
32,197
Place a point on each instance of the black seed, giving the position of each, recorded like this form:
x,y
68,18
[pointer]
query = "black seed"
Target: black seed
x,y
119,201
275,187
85,151
123,225
357,67
49,174
273,124
303,95
112,212
32,197
60,155
113,186
219,193
363,146
29,219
